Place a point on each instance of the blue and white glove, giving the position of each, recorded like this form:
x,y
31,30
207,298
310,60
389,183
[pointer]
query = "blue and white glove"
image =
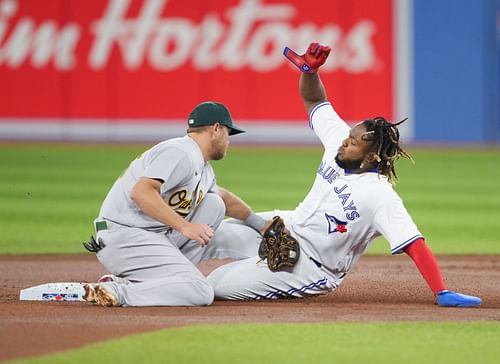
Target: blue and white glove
x,y
447,298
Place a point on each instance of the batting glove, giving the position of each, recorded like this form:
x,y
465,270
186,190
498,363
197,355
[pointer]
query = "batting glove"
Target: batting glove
x,y
310,61
447,298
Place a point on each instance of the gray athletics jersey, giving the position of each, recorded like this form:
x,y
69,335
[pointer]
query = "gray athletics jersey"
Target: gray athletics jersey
x,y
186,179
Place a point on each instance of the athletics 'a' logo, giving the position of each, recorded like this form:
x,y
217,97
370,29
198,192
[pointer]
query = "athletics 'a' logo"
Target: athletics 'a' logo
x,y
335,225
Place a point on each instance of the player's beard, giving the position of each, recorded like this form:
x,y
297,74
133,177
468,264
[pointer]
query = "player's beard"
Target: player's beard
x,y
218,151
348,163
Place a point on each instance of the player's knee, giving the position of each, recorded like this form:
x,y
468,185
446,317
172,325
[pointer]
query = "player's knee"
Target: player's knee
x,y
205,293
216,206
217,280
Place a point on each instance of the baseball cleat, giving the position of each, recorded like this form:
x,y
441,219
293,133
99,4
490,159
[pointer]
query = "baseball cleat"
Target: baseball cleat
x,y
89,292
97,293
453,299
104,296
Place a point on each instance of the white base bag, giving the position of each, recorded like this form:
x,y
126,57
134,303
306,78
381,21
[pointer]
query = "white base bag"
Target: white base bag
x,y
70,291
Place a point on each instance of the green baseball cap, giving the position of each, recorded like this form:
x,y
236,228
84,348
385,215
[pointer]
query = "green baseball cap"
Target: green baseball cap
x,y
209,113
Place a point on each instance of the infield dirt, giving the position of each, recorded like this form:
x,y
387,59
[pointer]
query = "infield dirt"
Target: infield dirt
x,y
378,289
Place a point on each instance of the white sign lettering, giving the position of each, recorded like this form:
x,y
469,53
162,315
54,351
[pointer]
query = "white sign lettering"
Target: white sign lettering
x,y
250,34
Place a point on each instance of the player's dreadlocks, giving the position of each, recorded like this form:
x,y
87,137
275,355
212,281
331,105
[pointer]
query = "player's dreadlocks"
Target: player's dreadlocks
x,y
385,138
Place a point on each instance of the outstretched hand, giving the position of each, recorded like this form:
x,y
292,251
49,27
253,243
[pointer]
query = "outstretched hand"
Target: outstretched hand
x,y
310,61
202,233
447,298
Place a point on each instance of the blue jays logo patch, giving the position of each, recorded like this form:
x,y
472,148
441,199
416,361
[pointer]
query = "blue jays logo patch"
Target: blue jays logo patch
x,y
335,225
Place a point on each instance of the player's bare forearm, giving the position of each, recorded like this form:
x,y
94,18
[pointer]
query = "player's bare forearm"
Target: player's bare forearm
x,y
146,194
235,206
238,209
312,90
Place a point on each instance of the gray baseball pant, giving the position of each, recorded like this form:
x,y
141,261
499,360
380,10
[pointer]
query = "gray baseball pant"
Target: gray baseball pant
x,y
156,271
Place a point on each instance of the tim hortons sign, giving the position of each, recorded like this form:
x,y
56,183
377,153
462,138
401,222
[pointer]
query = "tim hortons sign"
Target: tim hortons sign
x,y
157,58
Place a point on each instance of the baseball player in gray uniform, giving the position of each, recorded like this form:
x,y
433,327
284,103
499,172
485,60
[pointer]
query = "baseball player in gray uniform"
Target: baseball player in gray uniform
x,y
160,214
351,202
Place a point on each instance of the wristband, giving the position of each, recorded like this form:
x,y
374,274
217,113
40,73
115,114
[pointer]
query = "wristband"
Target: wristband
x,y
255,221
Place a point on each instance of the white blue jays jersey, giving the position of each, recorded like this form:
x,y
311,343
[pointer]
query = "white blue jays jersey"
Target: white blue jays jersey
x,y
185,176
343,213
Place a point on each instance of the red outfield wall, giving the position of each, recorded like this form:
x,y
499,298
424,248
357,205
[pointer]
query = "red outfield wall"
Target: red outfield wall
x,y
116,60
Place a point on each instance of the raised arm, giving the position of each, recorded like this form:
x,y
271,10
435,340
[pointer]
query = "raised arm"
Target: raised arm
x,y
311,87
312,90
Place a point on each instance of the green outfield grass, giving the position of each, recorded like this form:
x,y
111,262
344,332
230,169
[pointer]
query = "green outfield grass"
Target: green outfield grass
x,y
50,194
346,343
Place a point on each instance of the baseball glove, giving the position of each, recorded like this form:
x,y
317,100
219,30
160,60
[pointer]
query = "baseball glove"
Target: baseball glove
x,y
277,246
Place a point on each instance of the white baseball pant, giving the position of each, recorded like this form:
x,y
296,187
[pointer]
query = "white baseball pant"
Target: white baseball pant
x,y
251,278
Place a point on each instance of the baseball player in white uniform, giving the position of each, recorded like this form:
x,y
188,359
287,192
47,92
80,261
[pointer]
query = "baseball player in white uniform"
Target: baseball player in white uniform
x,y
160,214
351,202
